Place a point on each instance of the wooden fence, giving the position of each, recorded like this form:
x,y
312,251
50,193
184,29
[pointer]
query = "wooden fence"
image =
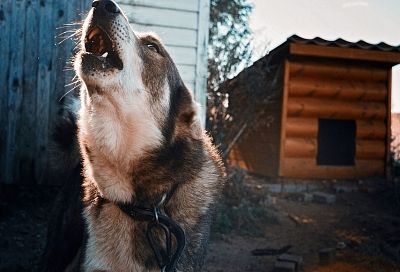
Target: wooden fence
x,y
32,80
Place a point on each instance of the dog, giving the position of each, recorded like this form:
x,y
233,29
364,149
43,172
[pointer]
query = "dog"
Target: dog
x,y
151,176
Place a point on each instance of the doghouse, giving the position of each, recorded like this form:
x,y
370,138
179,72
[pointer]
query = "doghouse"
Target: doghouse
x,y
329,112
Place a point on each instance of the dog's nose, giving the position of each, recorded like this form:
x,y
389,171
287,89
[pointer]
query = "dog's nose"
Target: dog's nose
x,y
105,7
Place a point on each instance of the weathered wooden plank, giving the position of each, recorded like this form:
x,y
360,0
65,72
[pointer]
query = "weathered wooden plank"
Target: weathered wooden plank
x,y
370,149
307,168
171,36
202,57
82,9
65,14
308,128
371,130
190,5
348,89
86,5
44,85
329,108
15,87
187,72
154,16
5,25
62,14
336,70
296,147
285,115
182,55
27,120
302,127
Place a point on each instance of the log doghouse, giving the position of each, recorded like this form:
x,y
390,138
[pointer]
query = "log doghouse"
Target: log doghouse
x,y
329,111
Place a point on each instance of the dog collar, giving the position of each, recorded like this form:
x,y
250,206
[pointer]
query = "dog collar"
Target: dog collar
x,y
159,221
166,256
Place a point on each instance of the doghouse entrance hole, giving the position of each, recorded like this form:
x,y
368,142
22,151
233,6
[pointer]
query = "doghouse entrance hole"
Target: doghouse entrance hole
x,y
336,142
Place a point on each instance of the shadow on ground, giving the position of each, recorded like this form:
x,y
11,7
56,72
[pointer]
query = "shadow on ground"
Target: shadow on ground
x,y
362,227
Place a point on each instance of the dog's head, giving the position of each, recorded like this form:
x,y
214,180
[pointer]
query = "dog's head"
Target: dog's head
x,y
130,82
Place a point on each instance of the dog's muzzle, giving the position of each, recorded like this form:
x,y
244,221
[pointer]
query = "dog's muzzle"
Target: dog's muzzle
x,y
100,51
105,8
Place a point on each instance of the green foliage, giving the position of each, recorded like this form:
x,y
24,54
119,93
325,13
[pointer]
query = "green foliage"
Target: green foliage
x,y
229,39
229,51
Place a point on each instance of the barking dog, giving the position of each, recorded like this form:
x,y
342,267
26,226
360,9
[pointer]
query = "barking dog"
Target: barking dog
x,y
150,173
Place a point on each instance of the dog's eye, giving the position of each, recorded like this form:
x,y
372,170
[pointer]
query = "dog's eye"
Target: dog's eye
x,y
153,47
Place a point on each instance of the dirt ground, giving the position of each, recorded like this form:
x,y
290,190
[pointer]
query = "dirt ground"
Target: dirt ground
x,y
364,227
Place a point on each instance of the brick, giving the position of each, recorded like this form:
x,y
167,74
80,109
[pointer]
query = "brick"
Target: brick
x,y
281,266
294,188
308,197
324,198
345,188
274,188
296,259
312,186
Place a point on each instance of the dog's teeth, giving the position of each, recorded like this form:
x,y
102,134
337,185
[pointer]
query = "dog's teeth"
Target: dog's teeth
x,y
93,32
105,55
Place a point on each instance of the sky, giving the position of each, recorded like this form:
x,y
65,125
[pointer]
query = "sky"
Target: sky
x,y
373,21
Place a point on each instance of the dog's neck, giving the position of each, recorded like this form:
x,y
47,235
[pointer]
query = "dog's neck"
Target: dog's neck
x,y
113,143
124,148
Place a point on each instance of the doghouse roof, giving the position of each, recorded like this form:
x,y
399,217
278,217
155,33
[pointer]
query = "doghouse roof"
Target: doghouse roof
x,y
345,44
383,53
339,48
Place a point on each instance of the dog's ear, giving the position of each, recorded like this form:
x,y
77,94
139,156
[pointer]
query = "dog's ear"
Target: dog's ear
x,y
188,118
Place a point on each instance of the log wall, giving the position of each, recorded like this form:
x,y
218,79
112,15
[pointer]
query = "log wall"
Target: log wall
x,y
338,90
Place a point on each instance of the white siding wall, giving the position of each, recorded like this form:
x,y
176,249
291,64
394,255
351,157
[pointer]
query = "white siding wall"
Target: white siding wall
x,y
183,27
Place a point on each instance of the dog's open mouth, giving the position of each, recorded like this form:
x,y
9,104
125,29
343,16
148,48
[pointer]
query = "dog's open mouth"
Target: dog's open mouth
x,y
99,44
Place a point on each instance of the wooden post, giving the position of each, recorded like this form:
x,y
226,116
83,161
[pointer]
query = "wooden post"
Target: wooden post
x,y
27,123
388,165
283,117
15,89
44,76
201,58
5,26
